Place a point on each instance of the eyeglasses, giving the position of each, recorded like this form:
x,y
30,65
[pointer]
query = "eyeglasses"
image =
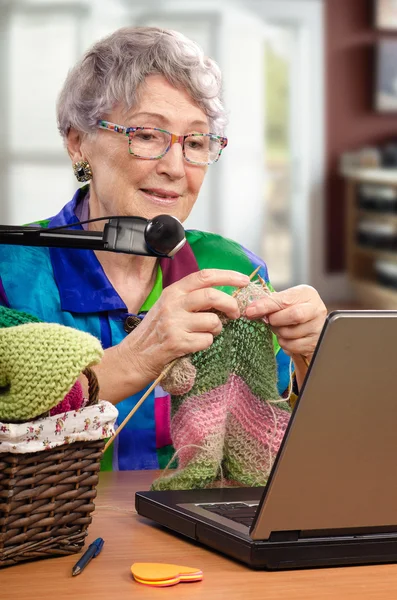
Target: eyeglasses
x,y
153,143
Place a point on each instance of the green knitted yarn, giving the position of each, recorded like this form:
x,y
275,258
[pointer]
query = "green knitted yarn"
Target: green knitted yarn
x,y
234,351
10,317
227,419
39,364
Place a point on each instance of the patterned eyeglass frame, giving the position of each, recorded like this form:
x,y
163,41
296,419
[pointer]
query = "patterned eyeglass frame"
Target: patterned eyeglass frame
x,y
174,140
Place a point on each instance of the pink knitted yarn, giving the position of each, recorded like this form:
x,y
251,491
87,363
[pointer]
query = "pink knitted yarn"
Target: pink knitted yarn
x,y
254,432
72,401
201,422
230,423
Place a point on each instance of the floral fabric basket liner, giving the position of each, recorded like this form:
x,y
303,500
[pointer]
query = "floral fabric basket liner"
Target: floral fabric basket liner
x,y
86,424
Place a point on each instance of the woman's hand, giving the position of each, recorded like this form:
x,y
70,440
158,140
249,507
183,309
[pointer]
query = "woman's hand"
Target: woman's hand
x,y
295,315
181,322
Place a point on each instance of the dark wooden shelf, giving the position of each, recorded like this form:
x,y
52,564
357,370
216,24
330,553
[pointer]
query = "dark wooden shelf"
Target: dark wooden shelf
x,y
373,295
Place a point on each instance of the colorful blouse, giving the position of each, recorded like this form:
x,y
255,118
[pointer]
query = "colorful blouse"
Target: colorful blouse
x,y
69,286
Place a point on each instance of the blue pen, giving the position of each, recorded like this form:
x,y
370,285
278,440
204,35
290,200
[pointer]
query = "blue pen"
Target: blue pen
x,y
92,551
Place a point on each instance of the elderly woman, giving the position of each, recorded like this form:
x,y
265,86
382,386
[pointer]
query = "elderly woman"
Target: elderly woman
x,y
142,121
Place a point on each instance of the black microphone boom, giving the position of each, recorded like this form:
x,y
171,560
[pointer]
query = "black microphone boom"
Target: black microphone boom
x,y
162,236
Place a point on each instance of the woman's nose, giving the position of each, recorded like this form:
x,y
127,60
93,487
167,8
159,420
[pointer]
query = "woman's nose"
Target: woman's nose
x,y
173,162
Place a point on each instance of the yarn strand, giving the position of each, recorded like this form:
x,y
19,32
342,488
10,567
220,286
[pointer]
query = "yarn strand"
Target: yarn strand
x,y
176,453
151,388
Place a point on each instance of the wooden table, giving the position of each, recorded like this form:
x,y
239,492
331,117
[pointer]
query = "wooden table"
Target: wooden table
x,y
129,538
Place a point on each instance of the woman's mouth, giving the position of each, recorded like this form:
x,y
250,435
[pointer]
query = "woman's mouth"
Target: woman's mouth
x,y
159,196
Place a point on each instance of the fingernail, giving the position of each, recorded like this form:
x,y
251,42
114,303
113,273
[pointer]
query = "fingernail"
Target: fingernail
x,y
251,311
244,279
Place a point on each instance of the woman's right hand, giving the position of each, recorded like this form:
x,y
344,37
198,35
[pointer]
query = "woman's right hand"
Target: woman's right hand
x,y
180,322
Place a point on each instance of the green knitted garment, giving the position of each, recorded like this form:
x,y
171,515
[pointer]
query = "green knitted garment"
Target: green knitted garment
x,y
10,317
39,363
227,417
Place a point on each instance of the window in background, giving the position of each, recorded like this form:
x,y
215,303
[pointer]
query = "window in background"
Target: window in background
x,y
43,41
277,239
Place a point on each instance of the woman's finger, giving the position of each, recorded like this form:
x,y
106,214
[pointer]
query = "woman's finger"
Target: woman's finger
x,y
189,343
210,298
303,346
295,332
293,315
204,322
208,278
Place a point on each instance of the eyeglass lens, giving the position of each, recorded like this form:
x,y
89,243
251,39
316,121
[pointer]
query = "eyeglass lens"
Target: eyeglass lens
x,y
150,143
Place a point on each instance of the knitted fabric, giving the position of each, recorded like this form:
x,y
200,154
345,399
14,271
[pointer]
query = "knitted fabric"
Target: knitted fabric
x,y
72,401
11,318
39,364
230,420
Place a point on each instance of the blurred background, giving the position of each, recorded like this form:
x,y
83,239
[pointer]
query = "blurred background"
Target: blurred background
x,y
309,178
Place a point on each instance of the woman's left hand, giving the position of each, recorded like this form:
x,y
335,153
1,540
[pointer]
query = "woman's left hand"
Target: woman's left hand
x,y
295,315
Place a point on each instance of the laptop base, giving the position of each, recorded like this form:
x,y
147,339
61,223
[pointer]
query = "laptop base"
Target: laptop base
x,y
274,554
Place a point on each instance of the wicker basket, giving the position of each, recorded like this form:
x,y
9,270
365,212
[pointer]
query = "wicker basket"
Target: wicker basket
x,y
46,498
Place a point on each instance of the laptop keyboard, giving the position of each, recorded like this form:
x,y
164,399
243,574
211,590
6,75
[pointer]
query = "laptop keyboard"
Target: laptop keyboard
x,y
239,512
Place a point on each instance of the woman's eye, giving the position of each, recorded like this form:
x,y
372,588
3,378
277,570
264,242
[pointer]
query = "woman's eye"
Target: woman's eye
x,y
195,144
146,137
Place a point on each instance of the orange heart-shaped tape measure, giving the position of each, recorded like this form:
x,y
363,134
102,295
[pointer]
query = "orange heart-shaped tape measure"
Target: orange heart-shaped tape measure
x,y
163,574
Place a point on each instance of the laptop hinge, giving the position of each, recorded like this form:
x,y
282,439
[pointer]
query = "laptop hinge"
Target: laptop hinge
x,y
284,536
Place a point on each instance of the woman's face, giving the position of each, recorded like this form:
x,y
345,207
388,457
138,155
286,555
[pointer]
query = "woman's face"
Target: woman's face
x,y
125,185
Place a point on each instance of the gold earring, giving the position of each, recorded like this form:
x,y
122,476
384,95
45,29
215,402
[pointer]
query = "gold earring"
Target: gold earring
x,y
82,170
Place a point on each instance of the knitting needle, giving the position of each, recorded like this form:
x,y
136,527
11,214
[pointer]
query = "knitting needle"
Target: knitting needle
x,y
138,404
168,368
159,378
251,277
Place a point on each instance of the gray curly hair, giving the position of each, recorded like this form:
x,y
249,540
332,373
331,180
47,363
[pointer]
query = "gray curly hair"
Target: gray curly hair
x,y
113,69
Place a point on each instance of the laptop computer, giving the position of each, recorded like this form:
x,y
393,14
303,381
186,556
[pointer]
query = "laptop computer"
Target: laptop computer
x,y
331,498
